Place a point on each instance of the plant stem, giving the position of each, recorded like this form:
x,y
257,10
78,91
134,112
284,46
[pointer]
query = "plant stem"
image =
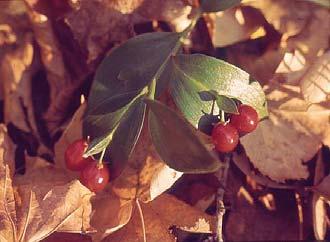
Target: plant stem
x,y
184,34
142,220
100,162
222,117
222,174
197,15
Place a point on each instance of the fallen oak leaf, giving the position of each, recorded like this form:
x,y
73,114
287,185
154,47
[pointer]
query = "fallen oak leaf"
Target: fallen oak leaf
x,y
7,206
161,214
45,210
275,147
40,202
7,201
242,162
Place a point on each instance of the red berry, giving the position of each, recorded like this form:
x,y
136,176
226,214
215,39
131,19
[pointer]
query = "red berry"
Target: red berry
x,y
95,177
225,137
74,159
247,119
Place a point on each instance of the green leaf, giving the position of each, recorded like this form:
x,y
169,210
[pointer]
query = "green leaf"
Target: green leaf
x,y
122,138
133,65
192,74
177,142
226,104
323,3
218,5
103,127
126,137
115,110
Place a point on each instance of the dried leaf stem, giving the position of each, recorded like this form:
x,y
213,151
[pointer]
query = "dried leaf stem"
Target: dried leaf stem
x,y
142,220
222,174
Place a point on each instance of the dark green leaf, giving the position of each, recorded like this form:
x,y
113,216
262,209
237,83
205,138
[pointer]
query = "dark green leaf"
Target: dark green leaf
x,y
122,140
226,104
126,137
120,81
103,127
132,65
208,95
192,74
218,5
177,142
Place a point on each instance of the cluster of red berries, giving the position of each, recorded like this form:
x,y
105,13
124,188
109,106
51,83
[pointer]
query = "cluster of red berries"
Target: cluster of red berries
x,y
225,135
93,174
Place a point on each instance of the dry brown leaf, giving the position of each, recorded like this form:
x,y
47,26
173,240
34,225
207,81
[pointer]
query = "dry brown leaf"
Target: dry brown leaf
x,y
259,57
242,162
297,22
51,205
235,25
93,31
315,84
145,177
307,41
13,23
175,12
275,148
7,203
289,18
312,76
7,150
16,74
319,217
291,69
161,214
61,84
40,202
115,19
318,203
110,213
72,132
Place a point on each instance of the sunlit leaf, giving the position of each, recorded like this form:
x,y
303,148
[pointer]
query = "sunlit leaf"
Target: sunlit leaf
x,y
192,74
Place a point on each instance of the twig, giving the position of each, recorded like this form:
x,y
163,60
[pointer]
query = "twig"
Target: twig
x,y
142,220
300,216
222,174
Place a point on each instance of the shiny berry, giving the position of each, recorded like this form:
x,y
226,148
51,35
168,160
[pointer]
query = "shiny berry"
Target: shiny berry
x,y
247,119
95,177
74,159
224,137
